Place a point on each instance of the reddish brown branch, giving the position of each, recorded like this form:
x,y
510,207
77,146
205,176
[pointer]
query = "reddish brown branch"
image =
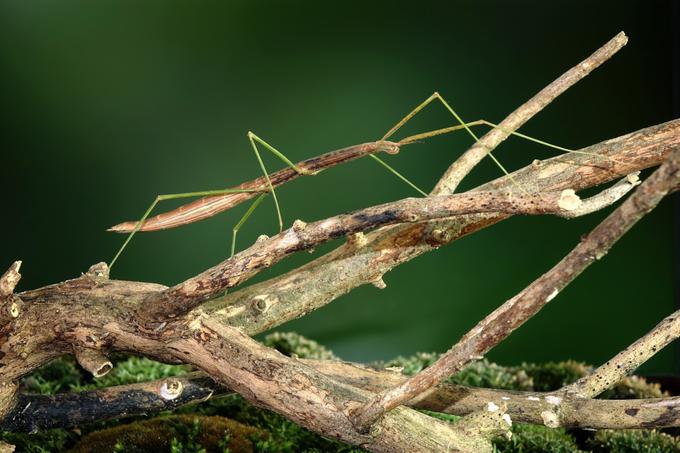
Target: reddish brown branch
x,y
184,297
512,314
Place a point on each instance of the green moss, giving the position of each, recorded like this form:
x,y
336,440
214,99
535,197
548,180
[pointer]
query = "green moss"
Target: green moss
x,y
54,440
633,441
275,434
490,375
289,344
176,433
282,435
57,376
477,374
634,387
136,369
537,439
554,375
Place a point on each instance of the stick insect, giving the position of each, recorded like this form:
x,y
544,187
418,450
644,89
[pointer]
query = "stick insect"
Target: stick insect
x,y
216,201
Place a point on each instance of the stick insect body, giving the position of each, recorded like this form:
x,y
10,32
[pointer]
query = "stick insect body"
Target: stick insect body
x,y
217,201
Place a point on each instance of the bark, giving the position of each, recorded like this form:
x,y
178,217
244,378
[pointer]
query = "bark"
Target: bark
x,y
321,281
182,298
504,320
33,413
93,316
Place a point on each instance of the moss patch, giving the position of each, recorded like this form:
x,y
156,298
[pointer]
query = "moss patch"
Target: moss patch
x,y
177,433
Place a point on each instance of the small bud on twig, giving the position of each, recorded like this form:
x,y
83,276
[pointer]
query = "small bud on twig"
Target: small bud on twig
x,y
99,271
379,283
357,240
299,225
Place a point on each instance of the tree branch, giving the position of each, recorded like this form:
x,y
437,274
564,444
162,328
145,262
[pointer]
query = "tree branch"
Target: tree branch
x,y
465,163
628,360
9,303
516,311
187,295
314,285
94,314
65,410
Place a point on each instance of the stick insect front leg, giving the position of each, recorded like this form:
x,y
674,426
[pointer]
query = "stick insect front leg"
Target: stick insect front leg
x,y
254,139
173,196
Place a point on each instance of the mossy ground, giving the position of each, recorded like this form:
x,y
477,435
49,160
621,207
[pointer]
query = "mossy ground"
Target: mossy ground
x,y
229,424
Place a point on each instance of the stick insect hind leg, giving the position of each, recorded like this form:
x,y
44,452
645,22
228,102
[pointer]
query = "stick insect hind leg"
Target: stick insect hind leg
x,y
462,125
467,127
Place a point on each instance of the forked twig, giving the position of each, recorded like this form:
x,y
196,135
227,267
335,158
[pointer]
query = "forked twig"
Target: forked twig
x,y
465,163
182,298
626,361
513,313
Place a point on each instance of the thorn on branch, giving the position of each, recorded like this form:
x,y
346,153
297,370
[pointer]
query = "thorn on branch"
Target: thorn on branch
x,y
93,361
98,272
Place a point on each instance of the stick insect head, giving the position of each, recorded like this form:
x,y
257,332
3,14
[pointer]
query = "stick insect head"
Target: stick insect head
x,y
387,147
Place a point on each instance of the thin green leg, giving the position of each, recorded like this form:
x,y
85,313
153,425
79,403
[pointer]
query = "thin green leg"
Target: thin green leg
x,y
544,143
173,196
240,223
397,174
254,139
410,115
423,135
463,125
474,136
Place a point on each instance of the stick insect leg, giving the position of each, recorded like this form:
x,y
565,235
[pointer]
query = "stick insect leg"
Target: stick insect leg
x,y
463,125
392,131
173,196
482,122
240,223
254,139
436,97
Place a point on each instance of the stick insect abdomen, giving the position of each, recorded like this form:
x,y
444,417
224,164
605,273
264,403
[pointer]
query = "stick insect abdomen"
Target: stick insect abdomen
x,y
211,205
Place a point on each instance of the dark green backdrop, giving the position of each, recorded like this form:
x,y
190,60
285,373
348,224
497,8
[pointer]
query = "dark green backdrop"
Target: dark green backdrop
x,y
106,104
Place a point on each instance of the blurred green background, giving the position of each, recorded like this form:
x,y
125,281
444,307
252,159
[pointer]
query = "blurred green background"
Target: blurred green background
x,y
106,104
